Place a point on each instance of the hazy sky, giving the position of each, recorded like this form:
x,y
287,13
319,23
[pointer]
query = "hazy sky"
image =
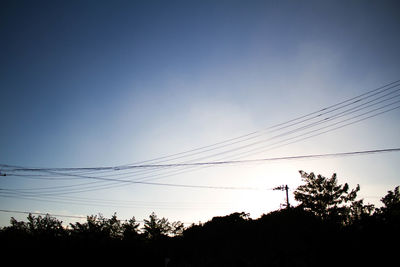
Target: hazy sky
x,y
106,83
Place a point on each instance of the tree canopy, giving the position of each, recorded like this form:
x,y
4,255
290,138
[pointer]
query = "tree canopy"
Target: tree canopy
x,y
329,223
325,197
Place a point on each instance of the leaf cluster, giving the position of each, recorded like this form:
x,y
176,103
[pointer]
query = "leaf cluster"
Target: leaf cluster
x,y
326,198
329,225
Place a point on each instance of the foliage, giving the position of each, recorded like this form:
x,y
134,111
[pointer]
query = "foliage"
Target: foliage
x,y
359,212
299,236
130,229
391,201
155,228
93,228
390,212
326,198
39,226
177,228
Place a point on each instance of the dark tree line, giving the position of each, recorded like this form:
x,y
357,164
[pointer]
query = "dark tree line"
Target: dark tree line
x,y
329,227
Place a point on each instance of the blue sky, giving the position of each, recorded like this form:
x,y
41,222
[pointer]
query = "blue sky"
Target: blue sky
x,y
105,83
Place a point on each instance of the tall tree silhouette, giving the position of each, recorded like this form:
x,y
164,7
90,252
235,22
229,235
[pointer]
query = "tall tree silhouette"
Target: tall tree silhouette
x,y
390,212
154,228
130,229
325,197
391,200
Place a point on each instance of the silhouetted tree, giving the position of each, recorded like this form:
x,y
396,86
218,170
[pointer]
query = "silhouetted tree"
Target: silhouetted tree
x,y
325,197
391,200
89,228
20,226
300,236
154,228
97,228
358,211
177,228
112,227
390,212
45,226
130,229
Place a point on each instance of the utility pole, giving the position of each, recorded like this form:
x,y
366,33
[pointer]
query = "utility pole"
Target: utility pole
x,y
287,196
286,188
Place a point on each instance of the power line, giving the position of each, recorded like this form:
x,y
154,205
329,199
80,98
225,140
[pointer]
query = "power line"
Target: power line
x,y
51,215
52,170
317,132
43,214
61,200
354,153
298,157
168,184
283,134
340,154
307,127
342,114
60,173
373,92
355,99
61,215
133,203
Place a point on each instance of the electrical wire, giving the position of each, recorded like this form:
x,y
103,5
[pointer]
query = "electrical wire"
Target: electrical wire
x,y
103,182
341,114
124,181
298,157
43,214
65,215
358,98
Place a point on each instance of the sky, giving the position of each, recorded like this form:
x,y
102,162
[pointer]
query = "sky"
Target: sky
x,y
109,83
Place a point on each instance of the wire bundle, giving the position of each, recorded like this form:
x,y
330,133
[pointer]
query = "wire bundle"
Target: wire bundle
x,y
238,150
